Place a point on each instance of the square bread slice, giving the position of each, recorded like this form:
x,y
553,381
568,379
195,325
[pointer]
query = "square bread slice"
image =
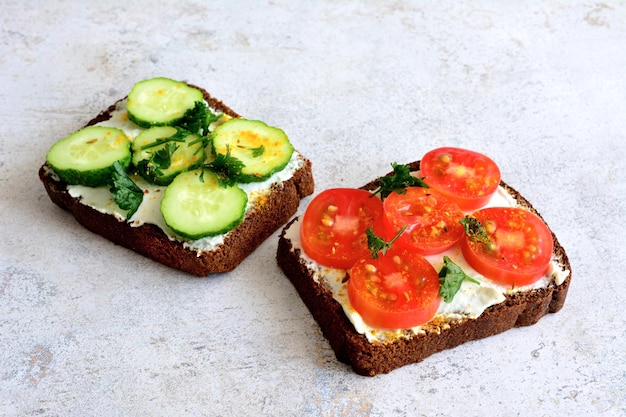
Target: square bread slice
x,y
371,357
268,210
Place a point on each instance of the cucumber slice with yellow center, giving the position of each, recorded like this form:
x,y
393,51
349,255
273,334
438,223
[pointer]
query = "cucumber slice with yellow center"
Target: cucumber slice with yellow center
x,y
263,149
161,101
86,157
195,205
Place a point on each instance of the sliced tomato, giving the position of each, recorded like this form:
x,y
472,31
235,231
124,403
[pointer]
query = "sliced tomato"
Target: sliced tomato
x,y
333,226
466,177
398,290
431,220
520,249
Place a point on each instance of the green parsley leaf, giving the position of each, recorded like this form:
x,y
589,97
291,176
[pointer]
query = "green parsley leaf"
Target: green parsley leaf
x,y
210,118
197,119
256,152
158,161
127,195
451,277
226,167
398,181
477,232
204,140
179,136
163,157
377,244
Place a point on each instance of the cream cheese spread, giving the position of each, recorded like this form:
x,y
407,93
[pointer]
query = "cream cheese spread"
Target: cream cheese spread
x,y
100,198
470,301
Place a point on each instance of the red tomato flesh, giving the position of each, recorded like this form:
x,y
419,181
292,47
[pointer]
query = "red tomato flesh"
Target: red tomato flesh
x,y
523,246
333,226
466,177
432,222
399,290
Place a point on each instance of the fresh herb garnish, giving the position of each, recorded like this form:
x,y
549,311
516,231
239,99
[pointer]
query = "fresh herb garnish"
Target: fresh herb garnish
x,y
203,140
377,244
477,232
210,118
179,136
226,167
127,195
256,152
198,119
451,277
161,159
398,181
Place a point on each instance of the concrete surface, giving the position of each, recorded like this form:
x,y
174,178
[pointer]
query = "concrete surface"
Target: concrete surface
x,y
91,329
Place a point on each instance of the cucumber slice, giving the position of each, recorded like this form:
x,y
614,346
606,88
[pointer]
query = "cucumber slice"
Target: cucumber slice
x,y
86,157
161,101
195,205
162,152
263,149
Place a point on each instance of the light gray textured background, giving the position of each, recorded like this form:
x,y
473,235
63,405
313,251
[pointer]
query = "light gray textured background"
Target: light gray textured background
x,y
91,329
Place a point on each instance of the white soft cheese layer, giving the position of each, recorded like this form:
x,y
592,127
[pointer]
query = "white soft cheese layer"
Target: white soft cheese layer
x,y
149,211
469,303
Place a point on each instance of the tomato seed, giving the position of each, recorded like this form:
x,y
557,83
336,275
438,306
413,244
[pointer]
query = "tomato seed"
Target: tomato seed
x,y
387,296
327,220
374,278
490,226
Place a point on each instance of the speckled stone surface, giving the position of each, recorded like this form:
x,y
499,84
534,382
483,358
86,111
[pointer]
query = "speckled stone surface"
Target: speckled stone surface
x,y
90,329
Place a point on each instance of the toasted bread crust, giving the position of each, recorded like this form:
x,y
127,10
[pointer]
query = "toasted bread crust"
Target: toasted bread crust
x,y
353,348
149,240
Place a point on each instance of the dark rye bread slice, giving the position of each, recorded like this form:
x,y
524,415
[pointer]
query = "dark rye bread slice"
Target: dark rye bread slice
x,y
352,348
149,240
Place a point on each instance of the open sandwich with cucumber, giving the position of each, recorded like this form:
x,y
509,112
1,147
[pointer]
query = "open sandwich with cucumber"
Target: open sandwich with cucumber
x,y
436,253
177,176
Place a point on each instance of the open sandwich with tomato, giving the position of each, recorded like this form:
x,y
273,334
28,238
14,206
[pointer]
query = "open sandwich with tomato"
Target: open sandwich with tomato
x,y
177,176
437,253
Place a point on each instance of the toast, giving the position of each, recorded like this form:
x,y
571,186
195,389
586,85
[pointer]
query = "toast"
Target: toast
x,y
270,205
372,357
